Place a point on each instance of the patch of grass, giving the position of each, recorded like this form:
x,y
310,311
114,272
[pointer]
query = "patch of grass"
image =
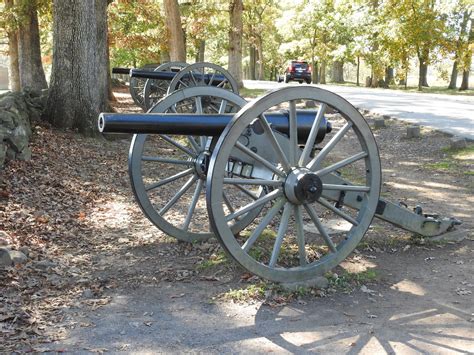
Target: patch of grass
x,y
213,261
252,292
347,281
251,93
458,161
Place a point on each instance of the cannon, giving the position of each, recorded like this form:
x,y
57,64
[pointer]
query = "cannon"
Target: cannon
x,y
288,192
148,86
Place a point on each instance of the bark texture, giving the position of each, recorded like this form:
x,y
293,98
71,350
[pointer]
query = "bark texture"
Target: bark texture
x,y
337,73
29,49
176,39
79,85
468,59
235,40
13,68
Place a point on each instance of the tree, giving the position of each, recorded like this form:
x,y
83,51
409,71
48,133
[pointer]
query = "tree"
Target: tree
x,y
30,64
467,58
78,90
461,19
177,45
235,40
10,25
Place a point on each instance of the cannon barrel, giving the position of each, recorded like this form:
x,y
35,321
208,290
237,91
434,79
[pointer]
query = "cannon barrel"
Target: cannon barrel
x,y
202,124
169,75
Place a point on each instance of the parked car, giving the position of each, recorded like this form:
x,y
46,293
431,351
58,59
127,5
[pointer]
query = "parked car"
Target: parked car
x,y
297,70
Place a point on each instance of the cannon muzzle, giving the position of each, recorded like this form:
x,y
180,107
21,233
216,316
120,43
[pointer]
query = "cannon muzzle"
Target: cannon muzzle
x,y
202,124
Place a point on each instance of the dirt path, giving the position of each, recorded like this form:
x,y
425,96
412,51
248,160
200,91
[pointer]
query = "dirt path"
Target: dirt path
x,y
101,278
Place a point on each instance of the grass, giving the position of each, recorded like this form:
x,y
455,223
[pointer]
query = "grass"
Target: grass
x,y
251,93
425,90
456,161
213,261
347,281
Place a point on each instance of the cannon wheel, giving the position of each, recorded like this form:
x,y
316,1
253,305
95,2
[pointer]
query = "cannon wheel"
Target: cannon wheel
x,y
137,88
290,240
177,161
156,89
192,76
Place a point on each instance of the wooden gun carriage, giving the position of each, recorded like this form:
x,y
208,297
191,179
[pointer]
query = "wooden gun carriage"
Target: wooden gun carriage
x,y
288,191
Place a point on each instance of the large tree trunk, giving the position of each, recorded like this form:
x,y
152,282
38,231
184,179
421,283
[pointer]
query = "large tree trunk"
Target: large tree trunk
x,y
235,40
454,76
78,91
261,61
337,71
173,22
253,62
468,59
200,51
31,67
322,73
389,76
13,69
358,71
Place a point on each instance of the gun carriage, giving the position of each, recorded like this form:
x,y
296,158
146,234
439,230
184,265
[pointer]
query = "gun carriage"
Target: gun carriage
x,y
289,192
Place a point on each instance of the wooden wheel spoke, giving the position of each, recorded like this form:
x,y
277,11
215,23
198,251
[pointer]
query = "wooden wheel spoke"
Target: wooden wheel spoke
x,y
274,143
341,164
178,195
320,227
300,235
312,135
255,204
259,158
293,134
314,164
282,228
346,187
170,179
177,145
192,207
237,181
337,211
168,161
263,224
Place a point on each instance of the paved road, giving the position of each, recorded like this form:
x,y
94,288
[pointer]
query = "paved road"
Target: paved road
x,y
447,113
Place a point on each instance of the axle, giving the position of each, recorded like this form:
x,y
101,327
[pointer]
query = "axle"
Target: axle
x,y
203,124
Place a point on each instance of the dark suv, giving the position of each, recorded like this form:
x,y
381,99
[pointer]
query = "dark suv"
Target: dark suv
x,y
297,70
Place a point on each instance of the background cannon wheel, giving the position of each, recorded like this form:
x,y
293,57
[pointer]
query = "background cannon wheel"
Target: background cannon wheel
x,y
168,172
137,87
203,74
156,89
303,229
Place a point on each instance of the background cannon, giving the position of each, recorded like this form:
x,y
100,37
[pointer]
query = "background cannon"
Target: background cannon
x,y
148,85
283,210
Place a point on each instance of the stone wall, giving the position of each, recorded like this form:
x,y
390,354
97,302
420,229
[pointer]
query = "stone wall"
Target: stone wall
x,y
17,111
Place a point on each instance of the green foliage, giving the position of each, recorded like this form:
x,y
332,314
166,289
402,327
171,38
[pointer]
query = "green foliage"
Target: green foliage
x,y
136,33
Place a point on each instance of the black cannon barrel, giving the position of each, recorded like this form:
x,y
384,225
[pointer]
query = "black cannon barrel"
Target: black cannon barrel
x,y
202,124
121,71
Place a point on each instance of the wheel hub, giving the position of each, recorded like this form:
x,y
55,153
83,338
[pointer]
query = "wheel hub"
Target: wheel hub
x,y
303,186
201,164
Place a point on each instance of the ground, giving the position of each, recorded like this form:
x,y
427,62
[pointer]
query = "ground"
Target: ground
x,y
100,277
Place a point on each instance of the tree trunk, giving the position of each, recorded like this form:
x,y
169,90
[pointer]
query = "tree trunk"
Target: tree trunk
x,y
358,71
468,59
337,71
78,91
454,76
13,68
235,40
201,50
322,73
165,57
173,22
31,68
424,75
261,61
374,81
388,76
253,61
